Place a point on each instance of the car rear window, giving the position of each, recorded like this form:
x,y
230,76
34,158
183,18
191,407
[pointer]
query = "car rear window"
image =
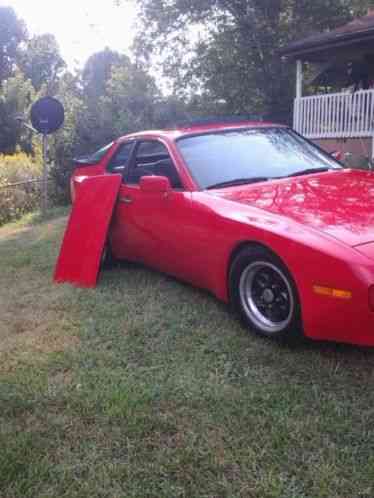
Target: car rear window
x,y
96,156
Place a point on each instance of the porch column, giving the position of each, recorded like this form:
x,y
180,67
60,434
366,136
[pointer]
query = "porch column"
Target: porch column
x,y
299,79
299,93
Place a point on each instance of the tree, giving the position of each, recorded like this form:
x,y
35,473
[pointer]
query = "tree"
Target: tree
x,y
24,67
41,61
16,98
65,143
12,33
129,100
94,130
98,70
118,97
226,51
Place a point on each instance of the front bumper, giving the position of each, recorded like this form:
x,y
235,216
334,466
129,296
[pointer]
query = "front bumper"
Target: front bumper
x,y
348,321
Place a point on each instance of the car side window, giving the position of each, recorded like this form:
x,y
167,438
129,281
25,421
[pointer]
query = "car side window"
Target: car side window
x,y
121,158
153,159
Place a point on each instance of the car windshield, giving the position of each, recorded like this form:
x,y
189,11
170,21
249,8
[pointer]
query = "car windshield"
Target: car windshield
x,y
242,156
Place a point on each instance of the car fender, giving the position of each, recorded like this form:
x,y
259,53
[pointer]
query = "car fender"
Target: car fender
x,y
313,259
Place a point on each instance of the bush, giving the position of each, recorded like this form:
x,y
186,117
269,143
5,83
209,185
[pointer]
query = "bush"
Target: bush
x,y
59,186
15,201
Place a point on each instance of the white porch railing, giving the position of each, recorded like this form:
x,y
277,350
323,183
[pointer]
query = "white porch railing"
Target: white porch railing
x,y
335,115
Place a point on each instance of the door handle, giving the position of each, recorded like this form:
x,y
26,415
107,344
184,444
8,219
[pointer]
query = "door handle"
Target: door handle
x,y
126,199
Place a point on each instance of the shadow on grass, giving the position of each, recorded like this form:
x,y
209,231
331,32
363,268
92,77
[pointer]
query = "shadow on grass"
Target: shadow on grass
x,y
300,344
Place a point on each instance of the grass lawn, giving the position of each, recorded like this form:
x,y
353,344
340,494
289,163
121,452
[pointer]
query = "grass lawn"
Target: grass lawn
x,y
145,387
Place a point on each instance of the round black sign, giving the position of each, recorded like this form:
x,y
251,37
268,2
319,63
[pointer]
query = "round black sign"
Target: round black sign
x,y
47,115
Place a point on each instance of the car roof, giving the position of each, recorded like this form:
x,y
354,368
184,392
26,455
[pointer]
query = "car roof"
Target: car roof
x,y
188,130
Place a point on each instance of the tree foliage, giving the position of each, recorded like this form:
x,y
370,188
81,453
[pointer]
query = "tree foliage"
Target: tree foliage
x,y
16,98
228,50
217,56
12,33
117,97
65,143
41,61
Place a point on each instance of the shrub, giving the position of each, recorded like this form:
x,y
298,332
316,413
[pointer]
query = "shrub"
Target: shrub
x,y
15,201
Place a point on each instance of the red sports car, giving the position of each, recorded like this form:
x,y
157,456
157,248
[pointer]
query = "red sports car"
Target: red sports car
x,y
252,212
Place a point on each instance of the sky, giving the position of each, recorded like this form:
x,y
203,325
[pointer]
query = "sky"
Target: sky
x,y
81,27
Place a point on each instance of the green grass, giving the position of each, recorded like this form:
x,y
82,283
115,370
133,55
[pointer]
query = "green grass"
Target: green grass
x,y
146,387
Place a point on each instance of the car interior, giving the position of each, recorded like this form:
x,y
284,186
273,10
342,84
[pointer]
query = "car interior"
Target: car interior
x,y
152,159
154,165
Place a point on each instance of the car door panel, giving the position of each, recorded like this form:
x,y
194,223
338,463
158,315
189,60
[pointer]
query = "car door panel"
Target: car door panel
x,y
168,233
131,234
158,228
87,231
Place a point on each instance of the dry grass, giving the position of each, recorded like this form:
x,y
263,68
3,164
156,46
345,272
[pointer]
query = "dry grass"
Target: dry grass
x,y
34,318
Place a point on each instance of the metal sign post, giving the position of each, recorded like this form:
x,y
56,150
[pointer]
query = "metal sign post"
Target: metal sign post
x,y
44,197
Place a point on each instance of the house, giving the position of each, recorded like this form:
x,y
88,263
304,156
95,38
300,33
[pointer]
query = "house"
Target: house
x,y
341,59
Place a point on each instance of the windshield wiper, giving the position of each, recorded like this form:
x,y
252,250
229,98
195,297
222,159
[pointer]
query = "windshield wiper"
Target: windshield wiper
x,y
239,181
309,171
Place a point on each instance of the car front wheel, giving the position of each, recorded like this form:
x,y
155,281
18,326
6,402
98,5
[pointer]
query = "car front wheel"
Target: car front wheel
x,y
263,292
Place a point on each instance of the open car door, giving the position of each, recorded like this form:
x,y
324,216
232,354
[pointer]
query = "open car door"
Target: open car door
x,y
87,231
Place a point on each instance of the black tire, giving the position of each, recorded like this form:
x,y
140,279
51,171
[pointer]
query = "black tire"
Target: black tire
x,y
108,260
264,294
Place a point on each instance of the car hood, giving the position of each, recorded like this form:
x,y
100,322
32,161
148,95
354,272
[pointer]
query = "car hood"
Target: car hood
x,y
338,203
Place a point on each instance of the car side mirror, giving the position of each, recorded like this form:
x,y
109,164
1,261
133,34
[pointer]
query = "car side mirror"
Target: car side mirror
x,y
155,184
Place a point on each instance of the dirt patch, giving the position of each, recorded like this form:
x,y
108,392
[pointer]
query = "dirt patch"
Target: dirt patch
x,y
35,315
22,348
33,319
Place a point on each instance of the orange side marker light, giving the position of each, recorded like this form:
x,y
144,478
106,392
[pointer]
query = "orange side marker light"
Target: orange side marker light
x,y
330,292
